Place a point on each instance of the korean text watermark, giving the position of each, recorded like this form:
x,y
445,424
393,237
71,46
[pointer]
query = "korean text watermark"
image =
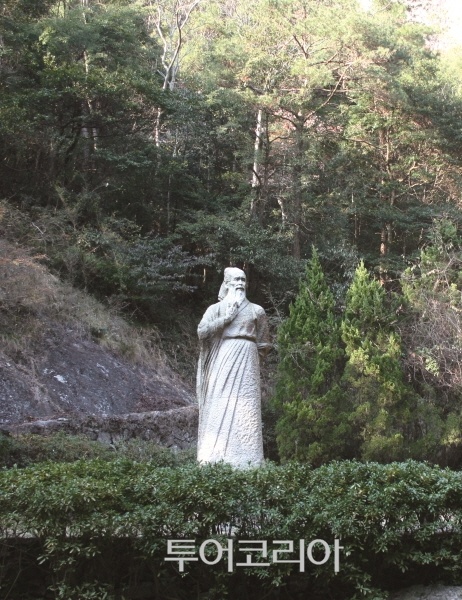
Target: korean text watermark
x,y
256,553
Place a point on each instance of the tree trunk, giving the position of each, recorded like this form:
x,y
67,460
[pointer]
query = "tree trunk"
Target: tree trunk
x,y
296,208
258,167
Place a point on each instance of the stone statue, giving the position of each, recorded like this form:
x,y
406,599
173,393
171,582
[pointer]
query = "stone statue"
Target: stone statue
x,y
232,333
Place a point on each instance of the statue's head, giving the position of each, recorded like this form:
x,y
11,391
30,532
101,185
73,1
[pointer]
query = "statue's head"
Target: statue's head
x,y
234,281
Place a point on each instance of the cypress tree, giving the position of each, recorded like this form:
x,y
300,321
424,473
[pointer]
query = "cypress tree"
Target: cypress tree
x,y
314,419
384,407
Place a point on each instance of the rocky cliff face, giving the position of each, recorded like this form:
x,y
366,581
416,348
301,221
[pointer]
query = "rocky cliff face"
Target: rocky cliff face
x,y
68,375
64,358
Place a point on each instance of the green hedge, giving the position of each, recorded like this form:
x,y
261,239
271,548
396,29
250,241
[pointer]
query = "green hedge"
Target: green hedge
x,y
98,529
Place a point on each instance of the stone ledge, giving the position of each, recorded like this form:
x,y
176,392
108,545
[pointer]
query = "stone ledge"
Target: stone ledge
x,y
174,428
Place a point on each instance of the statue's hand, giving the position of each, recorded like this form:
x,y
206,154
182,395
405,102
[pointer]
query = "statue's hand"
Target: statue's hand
x,y
231,312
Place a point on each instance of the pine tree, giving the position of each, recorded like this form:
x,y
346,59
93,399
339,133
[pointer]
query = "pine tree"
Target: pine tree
x,y
314,421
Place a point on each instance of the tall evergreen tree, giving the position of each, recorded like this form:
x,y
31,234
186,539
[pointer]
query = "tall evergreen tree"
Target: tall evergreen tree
x,y
341,389
314,422
385,407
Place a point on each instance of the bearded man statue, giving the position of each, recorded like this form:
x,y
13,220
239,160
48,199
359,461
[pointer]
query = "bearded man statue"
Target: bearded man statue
x,y
233,335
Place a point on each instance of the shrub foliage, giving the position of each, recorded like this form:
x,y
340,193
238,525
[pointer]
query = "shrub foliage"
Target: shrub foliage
x,y
97,529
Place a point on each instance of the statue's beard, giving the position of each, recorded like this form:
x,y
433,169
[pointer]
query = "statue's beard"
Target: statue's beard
x,y
234,295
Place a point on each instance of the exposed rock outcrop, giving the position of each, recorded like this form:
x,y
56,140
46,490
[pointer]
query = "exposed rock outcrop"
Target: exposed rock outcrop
x,y
69,363
433,592
72,376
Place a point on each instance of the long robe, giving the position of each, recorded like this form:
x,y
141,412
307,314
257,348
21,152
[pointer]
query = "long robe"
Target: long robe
x,y
228,385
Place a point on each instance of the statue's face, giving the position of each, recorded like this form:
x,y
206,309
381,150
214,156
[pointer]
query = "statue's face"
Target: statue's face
x,y
237,282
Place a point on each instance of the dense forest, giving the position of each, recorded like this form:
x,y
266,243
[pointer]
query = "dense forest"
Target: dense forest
x,y
146,145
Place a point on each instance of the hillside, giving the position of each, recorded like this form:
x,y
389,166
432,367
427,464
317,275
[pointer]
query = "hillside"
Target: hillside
x,y
147,146
63,355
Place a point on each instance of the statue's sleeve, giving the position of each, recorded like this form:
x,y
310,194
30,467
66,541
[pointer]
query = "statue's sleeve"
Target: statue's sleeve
x,y
263,341
211,323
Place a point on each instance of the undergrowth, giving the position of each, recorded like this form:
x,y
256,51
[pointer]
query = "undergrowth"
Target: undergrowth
x,y
32,300
25,450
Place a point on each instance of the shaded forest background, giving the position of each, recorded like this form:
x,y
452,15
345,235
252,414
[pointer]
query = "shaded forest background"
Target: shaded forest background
x,y
148,145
